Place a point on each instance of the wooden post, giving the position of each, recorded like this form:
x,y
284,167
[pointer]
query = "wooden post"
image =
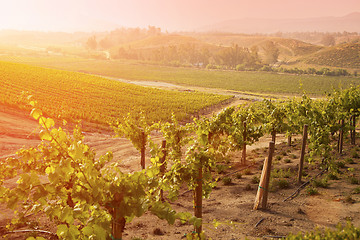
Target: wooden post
x,y
118,222
350,121
273,136
243,158
353,132
163,166
302,154
341,136
267,175
143,147
198,199
262,193
289,141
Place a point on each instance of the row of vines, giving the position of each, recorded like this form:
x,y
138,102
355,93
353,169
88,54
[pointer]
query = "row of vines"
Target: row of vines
x,y
71,95
91,197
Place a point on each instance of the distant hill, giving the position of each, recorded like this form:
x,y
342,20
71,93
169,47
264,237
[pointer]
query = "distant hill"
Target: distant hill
x,y
287,47
164,41
344,55
348,23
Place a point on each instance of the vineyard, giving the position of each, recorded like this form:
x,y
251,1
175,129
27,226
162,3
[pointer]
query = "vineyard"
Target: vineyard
x,y
72,96
243,81
90,197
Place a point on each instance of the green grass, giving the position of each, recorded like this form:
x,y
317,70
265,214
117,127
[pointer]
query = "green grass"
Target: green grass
x,y
258,82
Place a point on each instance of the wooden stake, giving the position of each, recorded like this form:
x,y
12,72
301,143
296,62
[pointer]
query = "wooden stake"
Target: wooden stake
x,y
273,136
289,141
143,146
341,137
302,155
262,193
267,175
118,222
198,199
163,166
261,188
353,132
243,158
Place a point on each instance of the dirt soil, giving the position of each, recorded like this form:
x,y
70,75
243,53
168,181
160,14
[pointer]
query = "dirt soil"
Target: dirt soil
x,y
231,204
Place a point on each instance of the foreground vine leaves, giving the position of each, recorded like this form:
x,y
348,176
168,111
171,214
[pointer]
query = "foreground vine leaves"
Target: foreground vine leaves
x,y
83,195
89,197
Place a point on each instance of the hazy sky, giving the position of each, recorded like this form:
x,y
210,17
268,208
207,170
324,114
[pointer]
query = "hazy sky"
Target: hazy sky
x,y
87,15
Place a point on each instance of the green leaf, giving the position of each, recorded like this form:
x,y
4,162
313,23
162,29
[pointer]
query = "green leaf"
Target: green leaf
x,y
36,113
152,172
67,215
45,135
62,231
73,232
100,232
46,123
32,103
49,123
49,170
87,231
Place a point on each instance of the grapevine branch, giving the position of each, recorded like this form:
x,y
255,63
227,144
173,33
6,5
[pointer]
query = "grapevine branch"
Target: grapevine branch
x,y
56,141
33,230
295,194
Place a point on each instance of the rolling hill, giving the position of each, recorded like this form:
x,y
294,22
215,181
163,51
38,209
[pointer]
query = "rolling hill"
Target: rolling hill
x,y
287,47
344,55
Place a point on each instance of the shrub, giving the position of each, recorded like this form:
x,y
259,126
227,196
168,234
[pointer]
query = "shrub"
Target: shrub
x,y
323,183
340,164
247,171
238,176
280,183
354,154
221,168
356,190
311,191
280,173
332,176
350,161
348,232
353,180
211,66
226,181
283,153
240,67
255,179
287,160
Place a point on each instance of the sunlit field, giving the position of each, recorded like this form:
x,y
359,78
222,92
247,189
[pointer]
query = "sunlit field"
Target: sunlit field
x,y
72,95
254,82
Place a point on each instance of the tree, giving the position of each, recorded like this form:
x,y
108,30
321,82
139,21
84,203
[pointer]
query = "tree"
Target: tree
x,y
105,43
328,40
91,43
271,52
